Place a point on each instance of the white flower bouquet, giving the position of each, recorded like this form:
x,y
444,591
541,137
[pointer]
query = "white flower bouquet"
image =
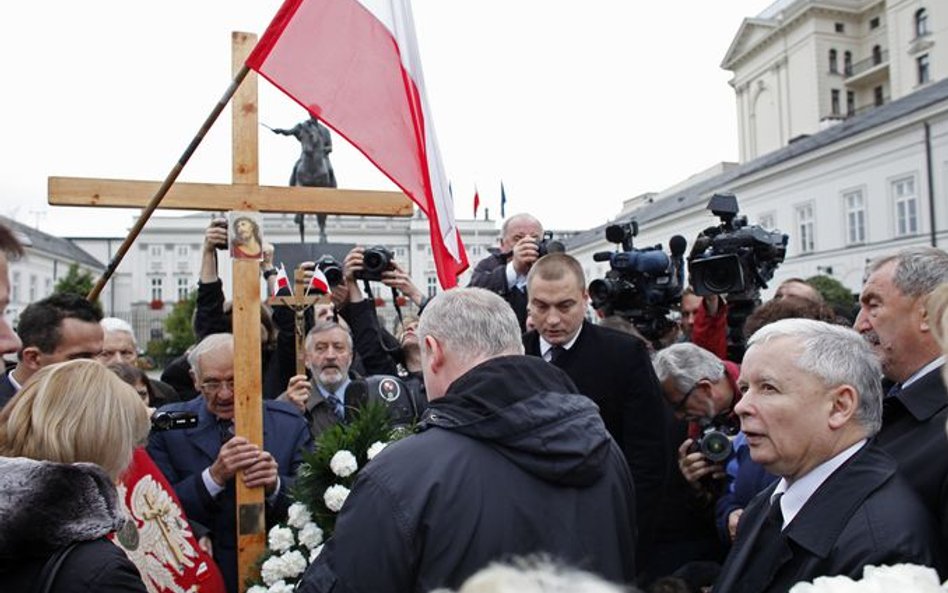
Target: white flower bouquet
x,y
322,486
897,578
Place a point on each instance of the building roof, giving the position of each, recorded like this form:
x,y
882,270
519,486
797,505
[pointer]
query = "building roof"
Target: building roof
x,y
701,191
64,248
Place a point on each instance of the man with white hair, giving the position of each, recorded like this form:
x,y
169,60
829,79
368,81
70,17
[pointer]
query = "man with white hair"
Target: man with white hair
x,y
811,402
505,270
203,463
508,461
120,347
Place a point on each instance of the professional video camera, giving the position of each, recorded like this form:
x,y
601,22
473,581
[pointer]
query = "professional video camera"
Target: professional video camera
x,y
642,284
737,260
550,245
331,269
375,260
733,258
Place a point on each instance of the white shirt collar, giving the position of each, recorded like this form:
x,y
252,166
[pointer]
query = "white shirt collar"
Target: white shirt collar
x,y
796,495
923,371
545,346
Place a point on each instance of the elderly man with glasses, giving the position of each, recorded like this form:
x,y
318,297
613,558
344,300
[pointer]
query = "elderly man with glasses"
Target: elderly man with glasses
x,y
202,462
702,389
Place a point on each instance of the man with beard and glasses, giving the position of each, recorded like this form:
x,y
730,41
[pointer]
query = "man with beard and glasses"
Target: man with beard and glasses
x,y
893,319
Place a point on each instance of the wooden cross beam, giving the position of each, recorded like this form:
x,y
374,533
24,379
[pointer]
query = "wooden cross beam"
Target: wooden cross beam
x,y
243,194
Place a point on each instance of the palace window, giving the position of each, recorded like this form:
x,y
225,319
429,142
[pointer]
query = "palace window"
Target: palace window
x,y
805,228
906,206
855,217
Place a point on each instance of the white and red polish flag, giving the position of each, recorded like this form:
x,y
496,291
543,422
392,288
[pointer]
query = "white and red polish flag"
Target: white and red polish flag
x,y
354,64
318,282
283,281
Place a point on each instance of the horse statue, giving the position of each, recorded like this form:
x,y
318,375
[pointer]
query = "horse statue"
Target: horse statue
x,y
313,168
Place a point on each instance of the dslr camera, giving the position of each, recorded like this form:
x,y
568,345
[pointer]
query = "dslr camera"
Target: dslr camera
x,y
330,268
733,258
714,441
642,284
549,245
375,260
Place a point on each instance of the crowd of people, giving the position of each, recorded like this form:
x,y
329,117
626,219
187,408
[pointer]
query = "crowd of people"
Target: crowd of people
x,y
552,450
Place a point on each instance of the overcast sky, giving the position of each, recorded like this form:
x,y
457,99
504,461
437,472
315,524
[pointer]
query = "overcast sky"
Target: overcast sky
x,y
575,106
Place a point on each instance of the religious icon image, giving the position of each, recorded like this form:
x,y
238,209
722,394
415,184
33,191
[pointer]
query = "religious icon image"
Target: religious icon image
x,y
246,240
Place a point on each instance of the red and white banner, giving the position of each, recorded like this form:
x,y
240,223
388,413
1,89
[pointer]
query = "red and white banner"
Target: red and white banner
x,y
354,64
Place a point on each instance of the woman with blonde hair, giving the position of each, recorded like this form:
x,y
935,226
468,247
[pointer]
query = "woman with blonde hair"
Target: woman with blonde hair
x,y
65,439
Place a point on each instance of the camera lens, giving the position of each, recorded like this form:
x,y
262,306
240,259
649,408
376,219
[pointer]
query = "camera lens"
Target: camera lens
x,y
716,446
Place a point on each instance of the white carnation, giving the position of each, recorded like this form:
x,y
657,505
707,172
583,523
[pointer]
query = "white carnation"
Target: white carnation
x,y
311,535
257,589
298,515
335,497
878,579
903,577
281,539
281,587
272,570
343,463
294,563
375,449
315,554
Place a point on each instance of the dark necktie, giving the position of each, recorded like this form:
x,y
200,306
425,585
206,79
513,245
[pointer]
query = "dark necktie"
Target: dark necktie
x,y
337,407
226,430
894,391
556,352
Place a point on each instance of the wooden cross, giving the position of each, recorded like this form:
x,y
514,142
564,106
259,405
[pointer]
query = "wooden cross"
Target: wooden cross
x,y
243,194
299,302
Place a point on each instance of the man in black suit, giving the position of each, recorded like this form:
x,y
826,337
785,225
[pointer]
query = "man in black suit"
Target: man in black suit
x,y
892,318
203,462
610,367
505,270
812,400
58,328
9,341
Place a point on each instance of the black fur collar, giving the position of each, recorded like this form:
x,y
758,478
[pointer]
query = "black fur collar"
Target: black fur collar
x,y
45,505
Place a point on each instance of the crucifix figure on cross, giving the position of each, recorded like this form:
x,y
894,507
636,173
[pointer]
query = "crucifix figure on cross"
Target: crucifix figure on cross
x,y
299,301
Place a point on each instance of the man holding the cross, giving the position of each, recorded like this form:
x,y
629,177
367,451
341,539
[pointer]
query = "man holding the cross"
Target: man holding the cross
x,y
202,462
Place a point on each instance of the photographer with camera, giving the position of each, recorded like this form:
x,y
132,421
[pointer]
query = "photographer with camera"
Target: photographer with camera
x,y
212,314
504,271
713,459
381,352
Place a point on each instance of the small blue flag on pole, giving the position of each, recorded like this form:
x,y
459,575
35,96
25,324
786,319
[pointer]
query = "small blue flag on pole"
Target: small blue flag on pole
x,y
503,201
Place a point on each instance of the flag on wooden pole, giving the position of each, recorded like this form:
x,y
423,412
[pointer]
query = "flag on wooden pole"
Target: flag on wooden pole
x,y
355,65
318,282
283,281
